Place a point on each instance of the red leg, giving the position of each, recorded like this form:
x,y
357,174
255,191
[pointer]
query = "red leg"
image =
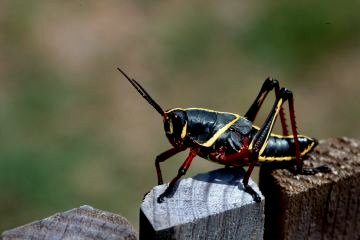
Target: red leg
x,y
247,187
162,157
299,162
248,174
281,113
182,170
241,158
238,159
260,140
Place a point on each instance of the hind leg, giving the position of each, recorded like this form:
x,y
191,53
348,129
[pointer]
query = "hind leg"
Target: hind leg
x,y
259,142
268,85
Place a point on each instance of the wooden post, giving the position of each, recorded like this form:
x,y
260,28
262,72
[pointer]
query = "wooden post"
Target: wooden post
x,y
324,206
207,206
80,223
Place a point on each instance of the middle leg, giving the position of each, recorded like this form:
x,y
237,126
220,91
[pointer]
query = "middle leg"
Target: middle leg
x,y
239,159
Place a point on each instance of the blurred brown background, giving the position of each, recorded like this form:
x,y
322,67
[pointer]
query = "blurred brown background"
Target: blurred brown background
x,y
73,131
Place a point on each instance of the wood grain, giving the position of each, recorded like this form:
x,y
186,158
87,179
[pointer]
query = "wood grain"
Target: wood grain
x,y
324,206
81,223
212,205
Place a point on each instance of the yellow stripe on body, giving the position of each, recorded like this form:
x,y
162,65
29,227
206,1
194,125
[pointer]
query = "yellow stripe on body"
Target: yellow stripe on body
x,y
285,158
183,131
202,109
171,128
212,140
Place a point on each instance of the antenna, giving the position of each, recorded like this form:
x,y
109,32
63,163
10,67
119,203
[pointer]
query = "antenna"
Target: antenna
x,y
143,93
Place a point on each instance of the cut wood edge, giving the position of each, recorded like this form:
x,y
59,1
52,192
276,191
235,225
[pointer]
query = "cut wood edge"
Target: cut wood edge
x,y
82,222
321,206
216,199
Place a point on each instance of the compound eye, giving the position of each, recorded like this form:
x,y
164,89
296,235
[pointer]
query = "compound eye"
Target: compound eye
x,y
177,120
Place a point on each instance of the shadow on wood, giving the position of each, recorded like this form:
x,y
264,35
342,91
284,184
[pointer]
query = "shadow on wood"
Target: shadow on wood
x,y
80,223
324,206
207,206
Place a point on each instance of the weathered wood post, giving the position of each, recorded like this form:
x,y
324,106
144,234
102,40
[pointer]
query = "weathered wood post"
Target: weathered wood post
x,y
81,223
207,206
324,206
214,206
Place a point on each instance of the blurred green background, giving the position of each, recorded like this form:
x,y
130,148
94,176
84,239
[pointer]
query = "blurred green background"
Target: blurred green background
x,y
74,132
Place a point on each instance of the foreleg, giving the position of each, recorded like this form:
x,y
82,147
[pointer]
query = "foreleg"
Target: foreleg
x,y
182,171
161,158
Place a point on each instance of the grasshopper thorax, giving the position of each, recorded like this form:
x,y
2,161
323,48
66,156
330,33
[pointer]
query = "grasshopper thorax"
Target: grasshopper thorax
x,y
175,126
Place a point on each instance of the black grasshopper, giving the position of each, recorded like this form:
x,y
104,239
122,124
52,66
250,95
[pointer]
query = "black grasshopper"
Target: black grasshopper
x,y
230,139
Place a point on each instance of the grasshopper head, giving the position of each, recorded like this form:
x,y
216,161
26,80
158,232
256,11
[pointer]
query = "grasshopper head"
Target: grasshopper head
x,y
175,126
